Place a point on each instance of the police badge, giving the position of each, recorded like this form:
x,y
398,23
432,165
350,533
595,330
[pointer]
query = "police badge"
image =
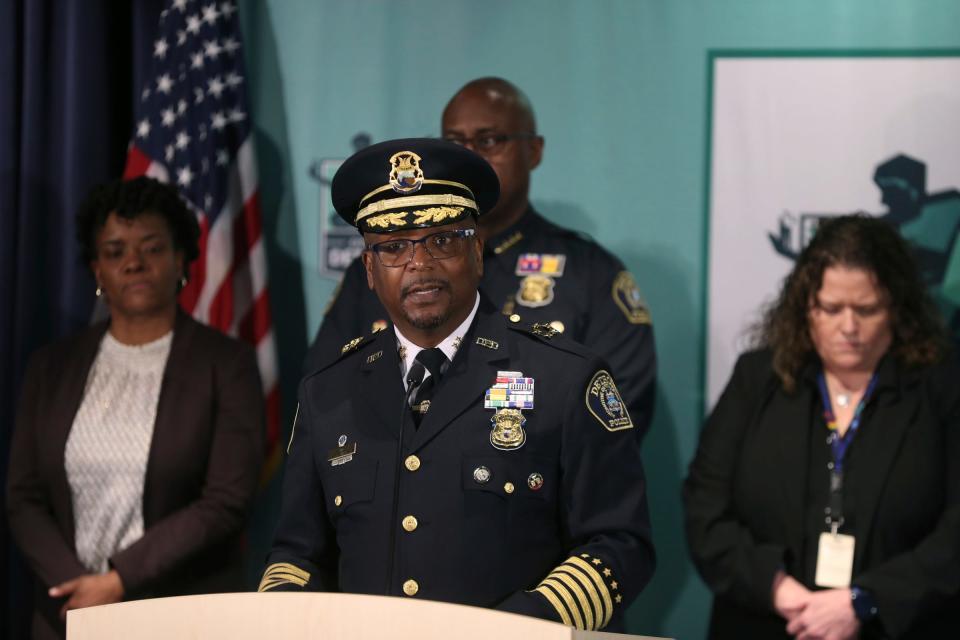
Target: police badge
x,y
535,291
507,433
510,393
405,173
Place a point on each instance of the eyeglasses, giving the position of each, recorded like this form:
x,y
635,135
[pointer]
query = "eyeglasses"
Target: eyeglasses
x,y
488,142
442,245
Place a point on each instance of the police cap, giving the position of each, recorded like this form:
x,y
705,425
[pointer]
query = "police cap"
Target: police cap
x,y
413,183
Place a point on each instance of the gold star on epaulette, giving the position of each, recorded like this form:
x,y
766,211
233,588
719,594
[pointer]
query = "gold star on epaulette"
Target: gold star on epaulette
x,y
606,573
597,561
350,345
619,598
543,330
613,585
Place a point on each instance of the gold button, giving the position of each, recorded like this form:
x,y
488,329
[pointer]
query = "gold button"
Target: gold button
x,y
338,500
515,317
412,463
410,587
557,326
409,523
508,487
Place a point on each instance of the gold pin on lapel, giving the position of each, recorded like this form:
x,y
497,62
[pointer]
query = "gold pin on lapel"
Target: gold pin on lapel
x,y
489,344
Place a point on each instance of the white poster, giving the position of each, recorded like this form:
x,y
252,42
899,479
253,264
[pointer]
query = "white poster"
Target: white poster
x,y
798,138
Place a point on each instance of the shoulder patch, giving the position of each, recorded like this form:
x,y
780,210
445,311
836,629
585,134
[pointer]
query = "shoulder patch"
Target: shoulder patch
x,y
604,402
627,295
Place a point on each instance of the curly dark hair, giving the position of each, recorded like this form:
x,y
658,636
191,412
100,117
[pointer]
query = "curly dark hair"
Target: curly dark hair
x,y
862,242
132,198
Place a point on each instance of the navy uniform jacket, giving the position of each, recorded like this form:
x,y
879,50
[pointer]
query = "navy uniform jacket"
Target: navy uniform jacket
x,y
595,300
575,549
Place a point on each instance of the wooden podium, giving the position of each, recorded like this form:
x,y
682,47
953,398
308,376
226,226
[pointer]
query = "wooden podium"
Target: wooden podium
x,y
296,616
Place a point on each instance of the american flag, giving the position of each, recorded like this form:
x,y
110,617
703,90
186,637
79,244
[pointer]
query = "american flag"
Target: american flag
x,y
193,129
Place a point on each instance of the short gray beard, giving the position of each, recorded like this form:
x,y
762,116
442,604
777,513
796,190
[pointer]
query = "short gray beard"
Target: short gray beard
x,y
427,323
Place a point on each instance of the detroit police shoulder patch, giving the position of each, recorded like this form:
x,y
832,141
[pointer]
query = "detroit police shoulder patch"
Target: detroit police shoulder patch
x,y
604,402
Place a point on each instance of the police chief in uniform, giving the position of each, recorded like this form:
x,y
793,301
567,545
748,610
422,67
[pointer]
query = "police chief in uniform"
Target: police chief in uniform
x,y
456,454
532,267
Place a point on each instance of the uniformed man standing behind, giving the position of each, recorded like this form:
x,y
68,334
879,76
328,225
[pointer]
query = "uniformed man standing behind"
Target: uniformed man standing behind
x,y
533,267
457,455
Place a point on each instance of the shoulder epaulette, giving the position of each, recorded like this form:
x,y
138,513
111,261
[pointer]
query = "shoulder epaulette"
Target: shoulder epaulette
x,y
547,334
345,351
352,345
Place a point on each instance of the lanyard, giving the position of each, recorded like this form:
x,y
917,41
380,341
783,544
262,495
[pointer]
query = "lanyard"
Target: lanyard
x,y
839,446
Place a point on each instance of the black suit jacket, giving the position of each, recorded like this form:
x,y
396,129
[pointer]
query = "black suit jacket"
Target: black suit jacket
x,y
202,469
487,542
745,496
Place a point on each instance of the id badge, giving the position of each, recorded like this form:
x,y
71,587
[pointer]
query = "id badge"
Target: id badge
x,y
835,560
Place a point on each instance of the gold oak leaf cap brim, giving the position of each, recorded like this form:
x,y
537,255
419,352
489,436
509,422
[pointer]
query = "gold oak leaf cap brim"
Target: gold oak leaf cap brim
x,y
454,183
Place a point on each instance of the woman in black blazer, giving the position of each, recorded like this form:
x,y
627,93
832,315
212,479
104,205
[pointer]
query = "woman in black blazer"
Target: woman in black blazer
x,y
139,441
824,497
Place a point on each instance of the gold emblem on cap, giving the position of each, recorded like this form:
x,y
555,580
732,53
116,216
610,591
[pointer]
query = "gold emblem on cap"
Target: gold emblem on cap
x,y
507,430
405,173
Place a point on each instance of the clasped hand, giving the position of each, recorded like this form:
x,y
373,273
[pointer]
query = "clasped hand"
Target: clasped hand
x,y
814,615
88,590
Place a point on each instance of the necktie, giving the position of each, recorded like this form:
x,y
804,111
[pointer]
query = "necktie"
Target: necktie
x,y
432,360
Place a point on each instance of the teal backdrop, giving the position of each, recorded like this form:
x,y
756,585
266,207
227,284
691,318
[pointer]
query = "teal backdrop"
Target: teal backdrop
x,y
620,91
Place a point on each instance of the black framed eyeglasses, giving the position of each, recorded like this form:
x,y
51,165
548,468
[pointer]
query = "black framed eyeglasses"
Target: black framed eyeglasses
x,y
488,142
440,245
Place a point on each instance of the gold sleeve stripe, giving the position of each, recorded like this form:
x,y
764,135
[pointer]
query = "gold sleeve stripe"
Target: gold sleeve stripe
x,y
567,597
591,573
286,577
577,590
283,573
266,586
587,587
547,592
603,614
288,568
269,583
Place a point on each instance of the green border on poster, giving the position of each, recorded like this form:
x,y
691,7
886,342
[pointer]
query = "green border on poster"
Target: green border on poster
x,y
712,56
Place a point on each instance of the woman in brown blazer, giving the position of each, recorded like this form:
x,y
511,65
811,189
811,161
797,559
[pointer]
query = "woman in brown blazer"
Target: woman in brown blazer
x,y
139,441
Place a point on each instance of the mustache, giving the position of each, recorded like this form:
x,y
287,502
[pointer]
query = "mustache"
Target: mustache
x,y
419,285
